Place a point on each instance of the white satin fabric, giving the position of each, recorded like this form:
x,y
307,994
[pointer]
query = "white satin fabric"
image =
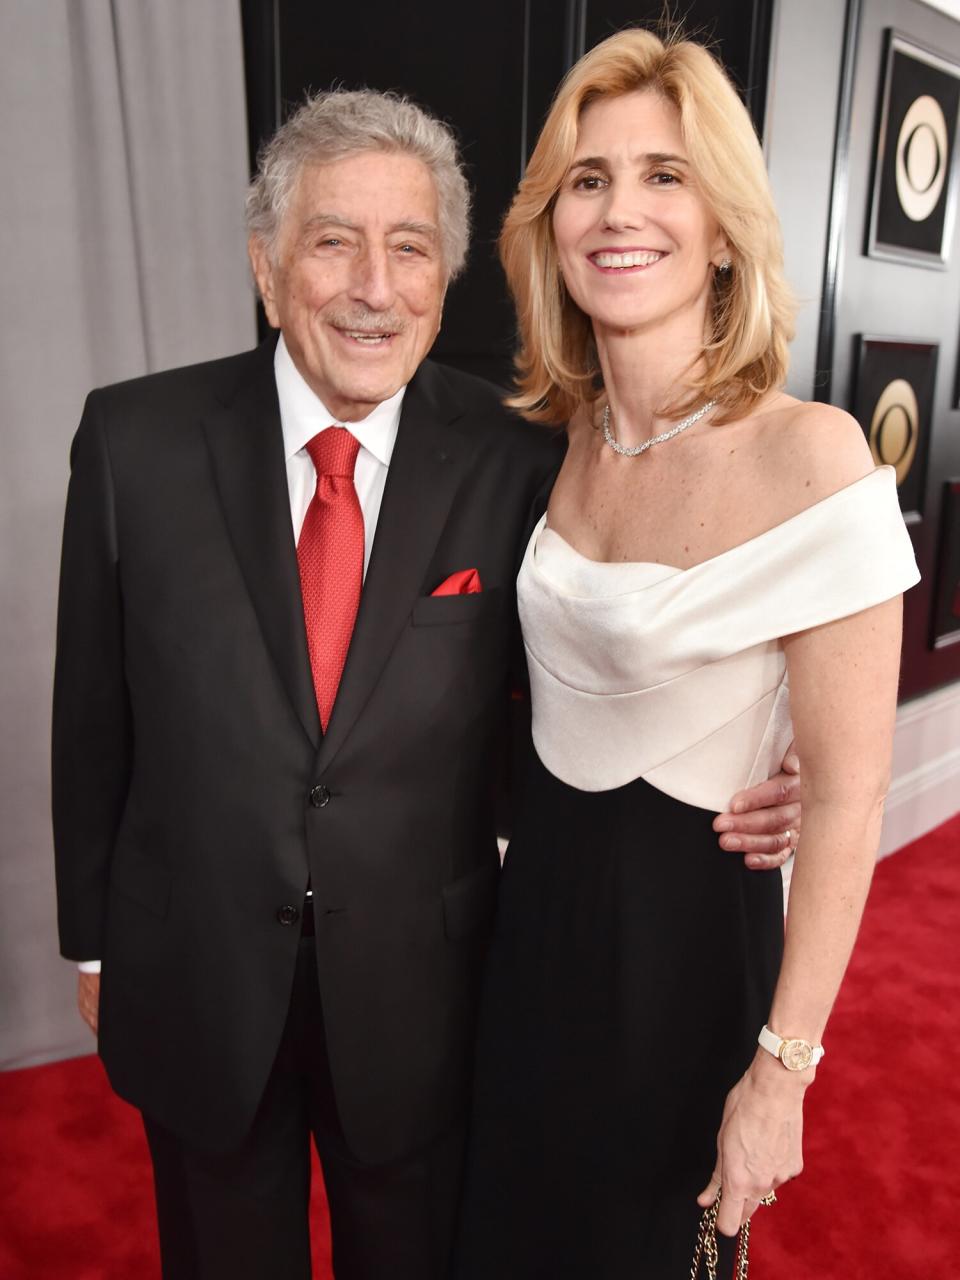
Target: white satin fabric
x,y
678,676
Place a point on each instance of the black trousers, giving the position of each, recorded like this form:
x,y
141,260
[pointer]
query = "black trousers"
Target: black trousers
x,y
243,1215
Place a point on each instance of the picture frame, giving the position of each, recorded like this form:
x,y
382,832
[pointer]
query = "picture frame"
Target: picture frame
x,y
914,190
893,402
946,596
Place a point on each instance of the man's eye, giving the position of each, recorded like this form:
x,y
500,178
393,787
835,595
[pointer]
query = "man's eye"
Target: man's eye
x,y
408,249
333,241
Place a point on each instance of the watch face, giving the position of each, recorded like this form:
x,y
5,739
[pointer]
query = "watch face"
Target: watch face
x,y
796,1055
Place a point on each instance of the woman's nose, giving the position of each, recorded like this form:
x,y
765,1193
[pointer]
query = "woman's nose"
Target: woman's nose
x,y
624,208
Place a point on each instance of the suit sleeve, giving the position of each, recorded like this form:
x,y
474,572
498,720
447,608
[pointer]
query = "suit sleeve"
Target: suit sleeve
x,y
519,679
519,730
92,732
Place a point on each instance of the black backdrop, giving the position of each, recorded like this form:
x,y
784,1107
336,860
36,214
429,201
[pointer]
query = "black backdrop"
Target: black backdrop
x,y
490,70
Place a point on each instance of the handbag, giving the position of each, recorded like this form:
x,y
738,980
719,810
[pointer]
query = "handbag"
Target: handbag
x,y
706,1250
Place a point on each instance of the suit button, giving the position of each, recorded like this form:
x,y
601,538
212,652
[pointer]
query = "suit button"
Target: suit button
x,y
319,796
288,915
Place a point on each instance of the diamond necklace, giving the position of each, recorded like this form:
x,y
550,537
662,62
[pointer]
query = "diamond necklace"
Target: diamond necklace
x,y
634,450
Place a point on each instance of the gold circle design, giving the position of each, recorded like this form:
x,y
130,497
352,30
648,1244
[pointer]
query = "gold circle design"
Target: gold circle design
x,y
895,427
921,158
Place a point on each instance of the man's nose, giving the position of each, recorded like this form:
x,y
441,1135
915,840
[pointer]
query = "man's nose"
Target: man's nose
x,y
372,281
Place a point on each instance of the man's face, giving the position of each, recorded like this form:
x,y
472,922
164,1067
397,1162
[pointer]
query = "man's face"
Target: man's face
x,y
357,279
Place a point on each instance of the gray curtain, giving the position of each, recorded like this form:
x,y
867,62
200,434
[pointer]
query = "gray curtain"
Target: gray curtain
x,y
122,169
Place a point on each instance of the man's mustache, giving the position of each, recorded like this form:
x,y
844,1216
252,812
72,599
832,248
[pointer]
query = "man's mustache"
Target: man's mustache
x,y
366,321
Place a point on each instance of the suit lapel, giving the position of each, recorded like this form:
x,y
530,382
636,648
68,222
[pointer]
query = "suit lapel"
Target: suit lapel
x,y
246,443
428,463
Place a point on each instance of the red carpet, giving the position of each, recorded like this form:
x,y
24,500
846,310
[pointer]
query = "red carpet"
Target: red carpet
x,y
879,1200
76,1188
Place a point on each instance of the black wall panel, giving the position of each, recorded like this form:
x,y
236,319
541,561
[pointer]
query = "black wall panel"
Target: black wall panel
x,y
738,31
466,66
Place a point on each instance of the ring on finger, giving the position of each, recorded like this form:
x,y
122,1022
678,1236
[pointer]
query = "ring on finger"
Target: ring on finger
x,y
793,839
769,1198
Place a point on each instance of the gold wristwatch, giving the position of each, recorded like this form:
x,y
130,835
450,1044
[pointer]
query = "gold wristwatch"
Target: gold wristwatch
x,y
795,1054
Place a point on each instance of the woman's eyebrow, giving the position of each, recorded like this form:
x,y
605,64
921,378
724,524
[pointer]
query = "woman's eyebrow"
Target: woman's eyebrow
x,y
649,157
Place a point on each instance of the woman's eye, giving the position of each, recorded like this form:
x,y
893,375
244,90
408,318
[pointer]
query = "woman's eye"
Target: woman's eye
x,y
589,182
664,179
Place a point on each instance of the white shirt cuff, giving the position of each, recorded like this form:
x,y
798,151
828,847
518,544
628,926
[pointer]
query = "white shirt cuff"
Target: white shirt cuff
x,y
89,966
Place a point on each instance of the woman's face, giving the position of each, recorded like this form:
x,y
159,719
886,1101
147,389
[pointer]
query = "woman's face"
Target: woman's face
x,y
634,235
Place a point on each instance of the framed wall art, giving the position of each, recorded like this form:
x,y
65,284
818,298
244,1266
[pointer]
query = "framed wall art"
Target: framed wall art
x,y
946,617
893,402
914,195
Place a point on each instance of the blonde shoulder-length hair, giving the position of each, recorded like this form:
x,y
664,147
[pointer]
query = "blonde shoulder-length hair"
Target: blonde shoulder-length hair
x,y
745,355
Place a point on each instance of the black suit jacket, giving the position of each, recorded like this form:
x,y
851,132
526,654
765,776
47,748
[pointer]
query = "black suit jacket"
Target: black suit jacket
x,y
194,793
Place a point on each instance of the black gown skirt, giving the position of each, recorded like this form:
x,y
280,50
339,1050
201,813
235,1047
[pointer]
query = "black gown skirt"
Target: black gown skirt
x,y
632,967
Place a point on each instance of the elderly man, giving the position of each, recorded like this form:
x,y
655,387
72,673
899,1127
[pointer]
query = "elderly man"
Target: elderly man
x,y
275,732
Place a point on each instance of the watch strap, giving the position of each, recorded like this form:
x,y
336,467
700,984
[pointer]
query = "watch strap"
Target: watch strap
x,y
773,1043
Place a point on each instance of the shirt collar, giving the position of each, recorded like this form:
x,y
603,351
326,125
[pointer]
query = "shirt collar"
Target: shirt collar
x,y
303,414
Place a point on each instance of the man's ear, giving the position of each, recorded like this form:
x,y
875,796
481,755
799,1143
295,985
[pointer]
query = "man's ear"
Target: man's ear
x,y
263,272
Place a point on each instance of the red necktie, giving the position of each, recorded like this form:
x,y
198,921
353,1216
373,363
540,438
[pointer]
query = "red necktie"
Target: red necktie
x,y
330,555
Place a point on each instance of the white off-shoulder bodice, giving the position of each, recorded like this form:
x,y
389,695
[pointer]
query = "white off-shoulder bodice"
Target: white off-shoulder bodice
x,y
678,676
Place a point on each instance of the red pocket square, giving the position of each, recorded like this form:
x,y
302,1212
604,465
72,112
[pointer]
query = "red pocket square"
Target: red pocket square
x,y
464,583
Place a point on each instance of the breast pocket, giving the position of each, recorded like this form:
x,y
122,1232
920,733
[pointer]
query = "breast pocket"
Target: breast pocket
x,y
439,611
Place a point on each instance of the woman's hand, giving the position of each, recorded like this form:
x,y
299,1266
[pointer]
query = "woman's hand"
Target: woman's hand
x,y
760,1144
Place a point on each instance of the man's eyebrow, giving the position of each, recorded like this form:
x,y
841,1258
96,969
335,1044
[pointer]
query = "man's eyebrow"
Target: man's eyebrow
x,y
427,229
331,219
650,157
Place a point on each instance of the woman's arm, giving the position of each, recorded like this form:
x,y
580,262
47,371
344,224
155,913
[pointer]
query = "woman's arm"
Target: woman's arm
x,y
843,687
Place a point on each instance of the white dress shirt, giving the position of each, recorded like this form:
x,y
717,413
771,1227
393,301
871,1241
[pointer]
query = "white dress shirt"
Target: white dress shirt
x,y
302,416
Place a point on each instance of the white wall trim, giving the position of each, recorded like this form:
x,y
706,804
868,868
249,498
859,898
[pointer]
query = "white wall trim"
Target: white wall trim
x,y
950,7
920,708
925,789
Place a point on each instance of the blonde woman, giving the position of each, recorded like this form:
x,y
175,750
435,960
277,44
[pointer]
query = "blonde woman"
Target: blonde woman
x,y
720,567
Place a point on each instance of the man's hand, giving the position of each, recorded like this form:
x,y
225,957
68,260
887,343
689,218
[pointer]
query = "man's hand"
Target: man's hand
x,y
88,999
764,822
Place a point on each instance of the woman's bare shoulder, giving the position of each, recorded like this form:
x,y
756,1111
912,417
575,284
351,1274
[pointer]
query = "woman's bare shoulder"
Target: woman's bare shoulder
x,y
812,450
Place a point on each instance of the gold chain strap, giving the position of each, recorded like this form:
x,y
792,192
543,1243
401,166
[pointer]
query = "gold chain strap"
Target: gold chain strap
x,y
706,1250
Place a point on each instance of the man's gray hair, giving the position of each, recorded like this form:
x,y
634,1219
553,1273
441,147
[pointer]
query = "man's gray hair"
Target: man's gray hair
x,y
330,126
